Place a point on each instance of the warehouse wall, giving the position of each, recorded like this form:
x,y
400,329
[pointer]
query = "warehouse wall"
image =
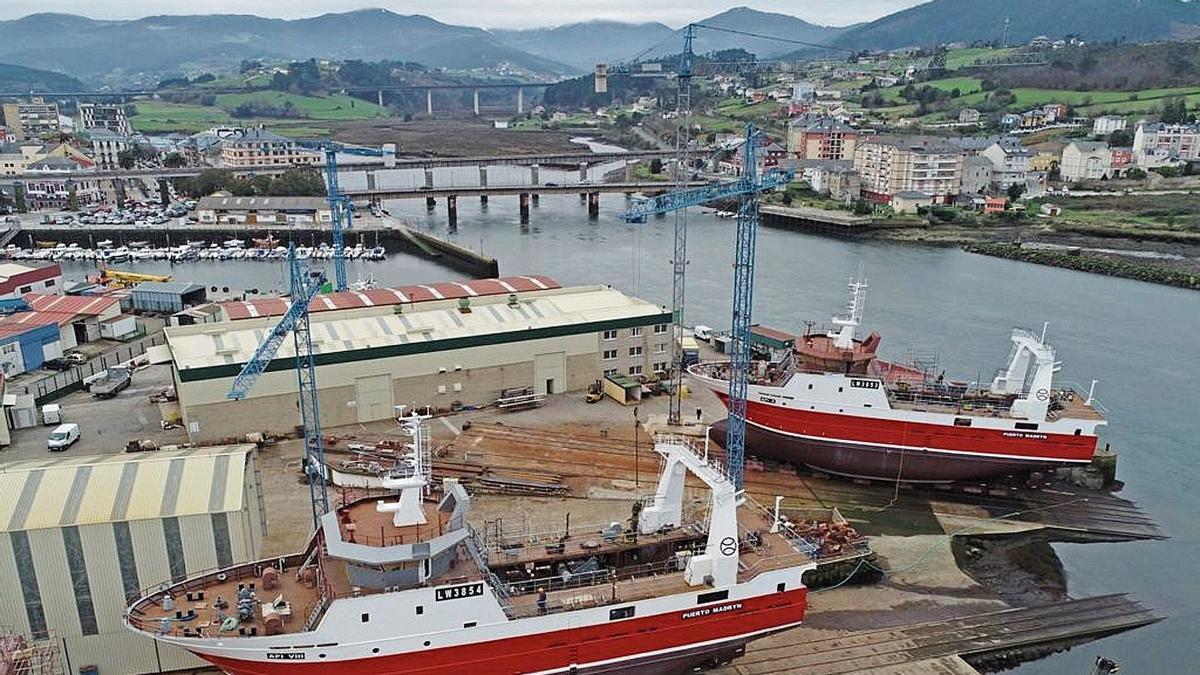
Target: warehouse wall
x,y
115,649
417,380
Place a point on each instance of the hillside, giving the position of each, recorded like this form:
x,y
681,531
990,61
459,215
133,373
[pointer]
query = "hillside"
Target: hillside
x,y
20,78
983,20
1126,67
99,50
583,45
749,20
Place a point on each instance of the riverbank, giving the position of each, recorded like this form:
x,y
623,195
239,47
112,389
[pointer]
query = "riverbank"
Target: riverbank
x,y
1112,264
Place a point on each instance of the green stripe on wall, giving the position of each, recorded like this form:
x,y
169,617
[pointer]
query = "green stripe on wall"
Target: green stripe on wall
x,y
349,356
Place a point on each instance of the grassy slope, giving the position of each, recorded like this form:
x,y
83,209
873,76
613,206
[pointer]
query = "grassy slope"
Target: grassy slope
x,y
157,116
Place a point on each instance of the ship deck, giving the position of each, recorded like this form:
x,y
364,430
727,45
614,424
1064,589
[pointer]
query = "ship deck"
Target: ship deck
x,y
296,598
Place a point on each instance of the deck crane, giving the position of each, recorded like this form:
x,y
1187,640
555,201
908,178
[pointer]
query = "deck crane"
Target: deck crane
x,y
747,189
305,283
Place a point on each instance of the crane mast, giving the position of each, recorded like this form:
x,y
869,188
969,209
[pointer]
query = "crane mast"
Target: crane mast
x,y
339,217
683,135
746,189
305,283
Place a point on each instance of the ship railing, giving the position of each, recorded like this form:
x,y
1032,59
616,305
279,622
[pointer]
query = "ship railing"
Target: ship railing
x,y
696,448
475,549
1080,392
603,586
203,580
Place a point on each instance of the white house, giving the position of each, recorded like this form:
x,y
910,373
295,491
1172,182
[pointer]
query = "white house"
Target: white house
x,y
1010,162
1086,160
1103,126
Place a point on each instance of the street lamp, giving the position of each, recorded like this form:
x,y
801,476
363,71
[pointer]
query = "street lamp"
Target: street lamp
x,y
637,479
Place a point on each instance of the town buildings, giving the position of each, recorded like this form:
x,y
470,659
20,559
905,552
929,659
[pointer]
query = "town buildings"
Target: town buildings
x,y
108,116
1158,143
1010,162
273,210
259,147
824,138
1091,160
1106,124
889,165
30,120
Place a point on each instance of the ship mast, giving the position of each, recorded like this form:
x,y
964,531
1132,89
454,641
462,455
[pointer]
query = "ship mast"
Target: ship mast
x,y
844,338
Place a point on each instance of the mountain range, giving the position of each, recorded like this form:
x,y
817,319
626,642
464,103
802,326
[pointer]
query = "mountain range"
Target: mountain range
x,y
143,50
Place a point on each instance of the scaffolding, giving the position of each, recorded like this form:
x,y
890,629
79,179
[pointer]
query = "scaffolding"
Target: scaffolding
x,y
20,655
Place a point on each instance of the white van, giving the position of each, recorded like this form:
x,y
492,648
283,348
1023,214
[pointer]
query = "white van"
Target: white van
x,y
703,333
63,436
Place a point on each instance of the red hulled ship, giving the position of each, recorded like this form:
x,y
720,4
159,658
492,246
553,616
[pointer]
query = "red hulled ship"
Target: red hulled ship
x,y
826,400
387,588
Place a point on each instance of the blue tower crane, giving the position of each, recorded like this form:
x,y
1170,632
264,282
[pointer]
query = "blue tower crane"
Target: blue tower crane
x,y
305,283
339,214
747,188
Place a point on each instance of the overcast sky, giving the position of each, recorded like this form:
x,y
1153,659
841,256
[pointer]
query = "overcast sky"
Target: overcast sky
x,y
488,13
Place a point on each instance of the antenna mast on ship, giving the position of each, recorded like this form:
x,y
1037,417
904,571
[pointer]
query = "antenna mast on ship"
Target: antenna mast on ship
x,y
844,339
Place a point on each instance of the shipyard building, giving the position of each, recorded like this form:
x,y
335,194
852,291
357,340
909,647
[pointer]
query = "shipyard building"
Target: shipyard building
x,y
84,535
444,346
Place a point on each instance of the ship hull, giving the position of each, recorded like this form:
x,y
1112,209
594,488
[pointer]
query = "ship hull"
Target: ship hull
x,y
662,644
879,449
855,460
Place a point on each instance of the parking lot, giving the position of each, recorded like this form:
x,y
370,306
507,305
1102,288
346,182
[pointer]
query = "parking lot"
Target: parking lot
x,y
105,425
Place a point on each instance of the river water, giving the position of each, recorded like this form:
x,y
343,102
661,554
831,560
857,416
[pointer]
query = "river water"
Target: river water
x,y
1142,342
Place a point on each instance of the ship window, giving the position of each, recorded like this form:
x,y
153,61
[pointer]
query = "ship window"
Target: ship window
x,y
375,650
469,624
840,389
621,613
320,656
426,643
1027,426
1078,431
420,609
962,421
779,588
810,386
715,596
366,617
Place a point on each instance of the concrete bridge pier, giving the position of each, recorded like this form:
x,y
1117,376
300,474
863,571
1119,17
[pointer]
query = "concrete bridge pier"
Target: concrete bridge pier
x,y
593,202
483,182
430,203
429,102
520,101
524,197
452,209
476,97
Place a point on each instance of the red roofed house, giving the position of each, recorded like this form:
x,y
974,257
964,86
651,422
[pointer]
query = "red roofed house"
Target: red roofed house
x,y
17,279
79,318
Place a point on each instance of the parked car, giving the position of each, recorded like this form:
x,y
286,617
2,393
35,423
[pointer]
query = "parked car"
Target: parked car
x,y
76,358
63,437
56,364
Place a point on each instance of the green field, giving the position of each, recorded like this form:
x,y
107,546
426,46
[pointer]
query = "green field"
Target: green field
x,y
1086,102
158,116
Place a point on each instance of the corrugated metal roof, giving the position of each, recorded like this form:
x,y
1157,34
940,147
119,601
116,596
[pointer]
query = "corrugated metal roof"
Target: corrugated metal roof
x,y
229,343
449,290
70,304
102,489
173,287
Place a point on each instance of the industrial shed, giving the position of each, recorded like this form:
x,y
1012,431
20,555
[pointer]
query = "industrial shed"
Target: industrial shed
x,y
167,296
439,353
83,535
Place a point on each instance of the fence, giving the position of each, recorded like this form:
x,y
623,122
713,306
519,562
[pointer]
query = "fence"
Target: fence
x,y
54,387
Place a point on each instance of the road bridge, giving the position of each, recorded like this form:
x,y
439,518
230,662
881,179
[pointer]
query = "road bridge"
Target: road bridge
x,y
372,164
